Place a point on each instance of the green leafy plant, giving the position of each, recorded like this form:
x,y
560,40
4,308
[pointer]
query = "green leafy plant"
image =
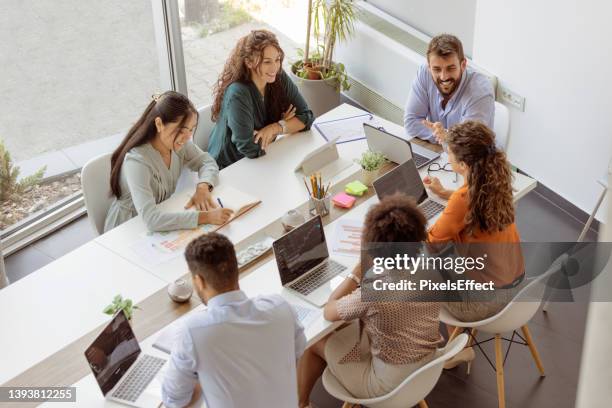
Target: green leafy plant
x,y
371,161
331,21
9,174
119,303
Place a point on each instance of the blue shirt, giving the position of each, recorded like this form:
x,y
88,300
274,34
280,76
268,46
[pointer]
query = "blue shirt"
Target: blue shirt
x,y
242,351
473,99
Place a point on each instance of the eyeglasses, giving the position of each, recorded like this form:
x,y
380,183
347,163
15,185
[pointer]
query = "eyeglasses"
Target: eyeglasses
x,y
436,167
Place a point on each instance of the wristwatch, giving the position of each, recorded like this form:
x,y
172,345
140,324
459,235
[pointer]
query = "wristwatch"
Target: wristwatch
x,y
283,125
354,278
210,186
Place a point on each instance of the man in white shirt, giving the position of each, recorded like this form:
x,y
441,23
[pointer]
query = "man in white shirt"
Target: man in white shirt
x,y
241,351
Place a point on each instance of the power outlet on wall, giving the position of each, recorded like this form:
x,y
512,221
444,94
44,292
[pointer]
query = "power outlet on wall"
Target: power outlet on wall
x,y
512,98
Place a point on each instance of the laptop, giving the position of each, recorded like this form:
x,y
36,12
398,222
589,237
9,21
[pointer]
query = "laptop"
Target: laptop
x,y
405,179
123,373
397,149
304,264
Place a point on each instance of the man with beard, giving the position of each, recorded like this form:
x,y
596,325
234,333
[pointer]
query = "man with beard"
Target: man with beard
x,y
445,92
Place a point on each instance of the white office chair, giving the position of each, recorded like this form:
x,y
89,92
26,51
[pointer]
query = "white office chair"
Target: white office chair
x,y
501,126
410,392
95,180
515,315
205,127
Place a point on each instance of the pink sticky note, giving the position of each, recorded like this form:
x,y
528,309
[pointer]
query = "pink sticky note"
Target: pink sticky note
x,y
343,200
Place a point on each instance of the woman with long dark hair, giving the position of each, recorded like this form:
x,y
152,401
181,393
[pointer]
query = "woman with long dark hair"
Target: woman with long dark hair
x,y
254,101
148,162
479,219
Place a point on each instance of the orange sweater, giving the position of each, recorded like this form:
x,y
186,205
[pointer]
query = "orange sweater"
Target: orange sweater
x,y
504,262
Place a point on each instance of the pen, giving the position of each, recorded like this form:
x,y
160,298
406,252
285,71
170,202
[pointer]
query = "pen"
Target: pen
x,y
306,185
220,203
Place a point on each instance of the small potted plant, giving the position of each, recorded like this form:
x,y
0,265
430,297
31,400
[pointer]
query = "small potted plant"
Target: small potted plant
x,y
119,303
317,75
371,163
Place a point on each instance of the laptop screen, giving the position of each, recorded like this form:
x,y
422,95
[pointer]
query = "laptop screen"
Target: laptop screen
x,y
300,250
403,179
113,352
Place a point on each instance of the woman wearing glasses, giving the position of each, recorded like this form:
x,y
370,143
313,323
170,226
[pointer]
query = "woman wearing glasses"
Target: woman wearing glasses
x,y
147,164
254,101
481,214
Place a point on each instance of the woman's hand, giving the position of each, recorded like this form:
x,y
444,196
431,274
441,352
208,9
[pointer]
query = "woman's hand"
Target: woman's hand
x,y
267,134
202,199
434,185
289,114
217,216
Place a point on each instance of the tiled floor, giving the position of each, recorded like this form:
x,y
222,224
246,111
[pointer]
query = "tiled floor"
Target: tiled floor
x,y
558,334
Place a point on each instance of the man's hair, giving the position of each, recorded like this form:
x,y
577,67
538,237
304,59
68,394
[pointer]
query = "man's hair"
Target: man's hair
x,y
395,219
212,256
445,45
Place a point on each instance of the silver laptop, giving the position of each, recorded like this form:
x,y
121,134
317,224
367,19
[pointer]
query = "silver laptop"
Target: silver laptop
x,y
304,264
122,371
405,179
397,149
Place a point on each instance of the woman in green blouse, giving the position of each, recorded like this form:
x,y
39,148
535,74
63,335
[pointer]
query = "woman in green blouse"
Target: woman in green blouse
x,y
147,164
255,101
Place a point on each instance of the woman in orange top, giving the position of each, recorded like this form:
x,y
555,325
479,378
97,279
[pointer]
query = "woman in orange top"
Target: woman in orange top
x,y
481,214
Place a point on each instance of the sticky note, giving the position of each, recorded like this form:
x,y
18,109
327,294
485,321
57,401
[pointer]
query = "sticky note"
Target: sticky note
x,y
343,200
356,188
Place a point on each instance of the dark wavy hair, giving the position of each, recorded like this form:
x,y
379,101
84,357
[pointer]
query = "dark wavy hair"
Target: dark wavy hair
x,y
170,107
489,177
212,256
251,48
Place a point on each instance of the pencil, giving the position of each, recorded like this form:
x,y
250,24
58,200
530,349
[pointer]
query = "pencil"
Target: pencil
x,y
306,185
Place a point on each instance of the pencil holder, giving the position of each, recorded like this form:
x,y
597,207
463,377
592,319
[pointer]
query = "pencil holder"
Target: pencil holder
x,y
319,206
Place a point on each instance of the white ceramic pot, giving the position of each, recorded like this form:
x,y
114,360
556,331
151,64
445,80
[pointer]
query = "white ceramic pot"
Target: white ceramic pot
x,y
320,95
368,177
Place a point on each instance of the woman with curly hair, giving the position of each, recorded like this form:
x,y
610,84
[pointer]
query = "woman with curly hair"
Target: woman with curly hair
x,y
479,219
387,337
254,101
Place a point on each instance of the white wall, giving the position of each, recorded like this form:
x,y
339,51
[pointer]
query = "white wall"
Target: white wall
x,y
558,55
435,16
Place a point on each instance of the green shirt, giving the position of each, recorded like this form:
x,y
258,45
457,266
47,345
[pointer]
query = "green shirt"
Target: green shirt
x,y
242,111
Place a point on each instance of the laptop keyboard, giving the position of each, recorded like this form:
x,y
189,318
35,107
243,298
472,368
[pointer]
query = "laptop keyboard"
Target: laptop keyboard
x,y
431,208
137,380
419,160
317,277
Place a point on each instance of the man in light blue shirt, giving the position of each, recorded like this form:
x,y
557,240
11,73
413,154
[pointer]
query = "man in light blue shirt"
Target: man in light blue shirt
x,y
445,92
240,352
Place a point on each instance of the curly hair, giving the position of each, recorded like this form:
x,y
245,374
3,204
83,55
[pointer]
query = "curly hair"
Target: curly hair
x,y
251,47
396,218
489,177
212,256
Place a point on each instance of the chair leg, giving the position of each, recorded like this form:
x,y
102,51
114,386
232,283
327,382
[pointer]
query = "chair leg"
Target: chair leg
x,y
473,335
423,404
533,349
454,334
499,368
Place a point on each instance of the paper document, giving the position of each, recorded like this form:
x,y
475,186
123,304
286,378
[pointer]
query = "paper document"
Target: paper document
x,y
168,335
347,238
346,129
158,247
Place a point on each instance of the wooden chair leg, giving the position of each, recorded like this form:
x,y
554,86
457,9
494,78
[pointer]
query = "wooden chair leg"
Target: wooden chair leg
x,y
469,344
533,349
454,334
499,368
423,404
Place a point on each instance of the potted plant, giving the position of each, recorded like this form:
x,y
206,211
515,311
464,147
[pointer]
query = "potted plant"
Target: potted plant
x,y
119,303
371,163
317,76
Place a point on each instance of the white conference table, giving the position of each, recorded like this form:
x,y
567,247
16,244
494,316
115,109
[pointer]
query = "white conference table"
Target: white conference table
x,y
92,274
